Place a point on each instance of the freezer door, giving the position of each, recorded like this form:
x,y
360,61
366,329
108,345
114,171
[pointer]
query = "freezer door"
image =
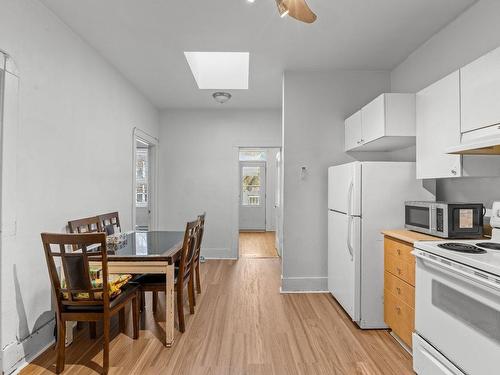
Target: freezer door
x,y
344,188
343,261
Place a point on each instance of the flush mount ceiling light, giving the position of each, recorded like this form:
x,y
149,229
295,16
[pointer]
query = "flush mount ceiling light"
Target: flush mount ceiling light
x,y
297,9
221,97
220,70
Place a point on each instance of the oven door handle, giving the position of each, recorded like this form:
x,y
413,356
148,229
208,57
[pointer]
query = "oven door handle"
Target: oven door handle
x,y
456,272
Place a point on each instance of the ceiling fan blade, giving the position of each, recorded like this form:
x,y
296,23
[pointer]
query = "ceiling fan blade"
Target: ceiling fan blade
x,y
299,10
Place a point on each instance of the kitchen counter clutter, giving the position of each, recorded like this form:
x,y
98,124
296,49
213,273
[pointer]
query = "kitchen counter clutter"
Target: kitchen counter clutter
x,y
399,281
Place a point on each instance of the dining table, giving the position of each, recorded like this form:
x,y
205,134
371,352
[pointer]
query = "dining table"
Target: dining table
x,y
150,252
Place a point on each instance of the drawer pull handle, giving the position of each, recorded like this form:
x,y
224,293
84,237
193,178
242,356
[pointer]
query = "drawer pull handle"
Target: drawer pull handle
x,y
398,309
399,271
398,290
399,252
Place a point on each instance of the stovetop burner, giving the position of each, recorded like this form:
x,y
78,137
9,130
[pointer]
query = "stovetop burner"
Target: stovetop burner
x,y
489,245
462,248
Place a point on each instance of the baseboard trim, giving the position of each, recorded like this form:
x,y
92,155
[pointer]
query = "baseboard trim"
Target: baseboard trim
x,y
304,292
217,253
14,355
304,284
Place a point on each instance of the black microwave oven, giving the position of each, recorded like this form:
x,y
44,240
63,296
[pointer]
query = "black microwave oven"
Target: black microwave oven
x,y
446,220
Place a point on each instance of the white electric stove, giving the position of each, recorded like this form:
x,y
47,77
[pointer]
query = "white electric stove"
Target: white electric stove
x,y
457,305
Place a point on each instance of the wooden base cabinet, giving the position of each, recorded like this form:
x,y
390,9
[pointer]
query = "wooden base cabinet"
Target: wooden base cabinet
x,y
399,288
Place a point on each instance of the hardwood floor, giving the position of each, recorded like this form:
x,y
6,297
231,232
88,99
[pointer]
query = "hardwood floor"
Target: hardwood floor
x,y
243,326
258,244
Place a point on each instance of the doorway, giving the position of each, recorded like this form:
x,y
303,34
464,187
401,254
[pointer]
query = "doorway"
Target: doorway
x,y
258,181
144,210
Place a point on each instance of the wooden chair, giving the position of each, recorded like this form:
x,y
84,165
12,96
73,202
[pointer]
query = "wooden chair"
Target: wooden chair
x,y
78,299
109,222
183,275
201,229
85,225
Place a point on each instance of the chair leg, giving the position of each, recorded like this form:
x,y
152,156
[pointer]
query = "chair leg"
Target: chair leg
x,y
61,345
155,301
106,333
143,300
135,316
93,330
121,320
180,309
198,283
191,294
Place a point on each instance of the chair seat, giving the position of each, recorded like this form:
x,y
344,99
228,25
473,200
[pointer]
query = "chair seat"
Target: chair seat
x,y
155,278
127,290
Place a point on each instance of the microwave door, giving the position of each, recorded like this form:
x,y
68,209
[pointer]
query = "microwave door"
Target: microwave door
x,y
419,218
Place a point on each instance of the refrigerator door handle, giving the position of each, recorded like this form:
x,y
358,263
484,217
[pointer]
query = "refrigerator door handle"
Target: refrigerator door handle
x,y
349,230
349,197
349,220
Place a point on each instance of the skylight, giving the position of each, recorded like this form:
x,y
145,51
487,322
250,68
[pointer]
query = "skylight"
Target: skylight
x,y
219,70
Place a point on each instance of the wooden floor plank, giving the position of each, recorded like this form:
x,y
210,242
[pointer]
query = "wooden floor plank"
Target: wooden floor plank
x,y
242,325
258,244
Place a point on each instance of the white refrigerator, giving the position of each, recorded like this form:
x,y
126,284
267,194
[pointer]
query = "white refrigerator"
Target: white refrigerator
x,y
365,198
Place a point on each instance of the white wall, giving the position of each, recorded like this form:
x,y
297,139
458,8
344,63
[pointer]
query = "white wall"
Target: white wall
x,y
474,33
74,158
199,169
315,106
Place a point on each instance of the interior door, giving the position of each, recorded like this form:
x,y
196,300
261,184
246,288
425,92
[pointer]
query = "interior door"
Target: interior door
x,y
253,196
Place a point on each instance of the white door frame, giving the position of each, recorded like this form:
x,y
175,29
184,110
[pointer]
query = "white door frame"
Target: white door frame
x,y
154,143
235,221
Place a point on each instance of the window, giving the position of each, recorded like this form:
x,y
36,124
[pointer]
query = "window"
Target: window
x,y
142,177
253,155
251,186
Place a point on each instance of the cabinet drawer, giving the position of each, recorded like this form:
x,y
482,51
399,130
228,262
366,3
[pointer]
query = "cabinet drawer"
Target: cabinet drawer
x,y
401,268
404,291
399,316
398,249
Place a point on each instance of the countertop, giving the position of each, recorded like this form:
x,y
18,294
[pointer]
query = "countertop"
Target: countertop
x,y
408,235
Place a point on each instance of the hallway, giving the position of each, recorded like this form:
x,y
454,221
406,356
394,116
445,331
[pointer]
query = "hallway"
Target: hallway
x,y
258,245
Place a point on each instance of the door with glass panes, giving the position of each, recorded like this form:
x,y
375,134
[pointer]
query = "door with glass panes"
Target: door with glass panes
x,y
252,196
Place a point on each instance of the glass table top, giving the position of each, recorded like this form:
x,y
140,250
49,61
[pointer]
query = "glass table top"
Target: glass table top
x,y
149,245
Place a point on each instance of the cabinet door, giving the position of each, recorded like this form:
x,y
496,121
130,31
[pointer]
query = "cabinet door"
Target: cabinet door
x,y
438,127
480,92
373,120
353,131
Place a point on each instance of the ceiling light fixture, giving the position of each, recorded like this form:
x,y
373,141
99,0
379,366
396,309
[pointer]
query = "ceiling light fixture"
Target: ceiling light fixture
x,y
221,97
251,1
297,9
282,8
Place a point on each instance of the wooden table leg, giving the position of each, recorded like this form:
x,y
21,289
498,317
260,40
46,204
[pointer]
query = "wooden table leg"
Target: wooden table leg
x,y
169,304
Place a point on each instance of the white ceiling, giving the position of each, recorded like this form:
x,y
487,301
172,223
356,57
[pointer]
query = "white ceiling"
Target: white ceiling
x,y
146,40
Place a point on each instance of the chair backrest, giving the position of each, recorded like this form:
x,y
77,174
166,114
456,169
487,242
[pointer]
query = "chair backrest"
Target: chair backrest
x,y
188,251
77,289
201,229
85,225
110,222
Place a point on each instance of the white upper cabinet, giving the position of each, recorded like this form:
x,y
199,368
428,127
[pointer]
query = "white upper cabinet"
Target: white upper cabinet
x,y
480,91
373,119
438,127
353,133
385,124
